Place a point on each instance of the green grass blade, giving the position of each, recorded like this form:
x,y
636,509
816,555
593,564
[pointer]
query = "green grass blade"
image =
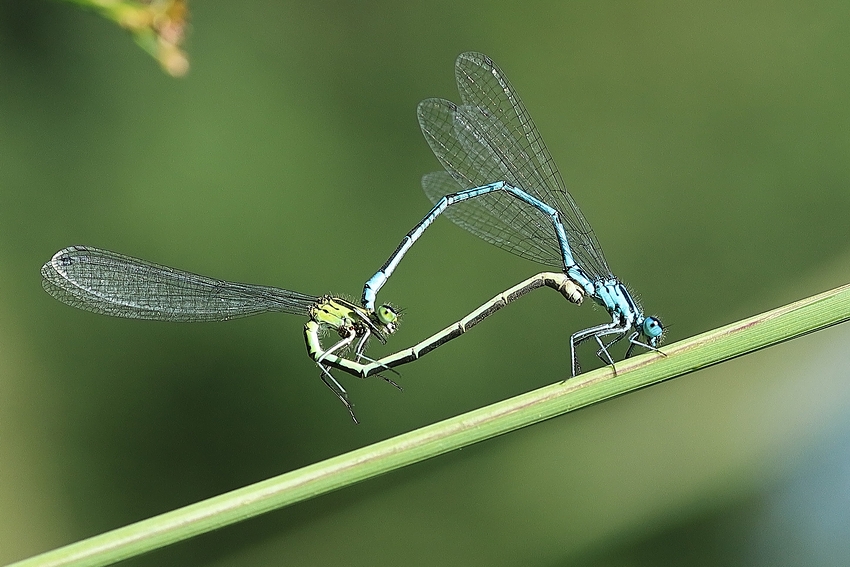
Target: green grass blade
x,y
785,323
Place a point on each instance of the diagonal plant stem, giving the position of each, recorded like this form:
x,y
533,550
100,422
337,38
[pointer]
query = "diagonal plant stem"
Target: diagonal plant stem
x,y
157,26
782,324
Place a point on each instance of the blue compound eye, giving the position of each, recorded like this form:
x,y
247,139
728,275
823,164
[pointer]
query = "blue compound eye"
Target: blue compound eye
x,y
652,327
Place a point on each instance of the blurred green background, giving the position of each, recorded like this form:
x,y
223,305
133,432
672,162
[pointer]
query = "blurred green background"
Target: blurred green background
x,y
707,143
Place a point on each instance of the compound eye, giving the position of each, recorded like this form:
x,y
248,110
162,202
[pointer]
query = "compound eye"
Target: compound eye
x,y
652,327
386,315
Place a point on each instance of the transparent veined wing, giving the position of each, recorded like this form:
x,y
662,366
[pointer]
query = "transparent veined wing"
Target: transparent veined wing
x,y
489,138
494,220
114,284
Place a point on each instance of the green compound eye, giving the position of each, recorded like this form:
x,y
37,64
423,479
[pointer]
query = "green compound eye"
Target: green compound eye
x,y
386,314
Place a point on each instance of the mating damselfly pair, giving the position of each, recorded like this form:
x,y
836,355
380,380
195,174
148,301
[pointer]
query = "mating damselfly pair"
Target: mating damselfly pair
x,y
499,182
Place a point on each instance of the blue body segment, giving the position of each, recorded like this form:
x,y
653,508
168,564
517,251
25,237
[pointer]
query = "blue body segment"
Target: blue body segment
x,y
374,284
501,184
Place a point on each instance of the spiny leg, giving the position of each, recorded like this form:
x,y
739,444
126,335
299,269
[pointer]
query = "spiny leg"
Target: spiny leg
x,y
603,348
361,345
328,378
337,389
340,345
581,336
633,342
383,367
391,381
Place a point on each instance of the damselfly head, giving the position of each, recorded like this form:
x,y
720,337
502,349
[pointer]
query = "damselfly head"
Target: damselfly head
x,y
652,329
387,316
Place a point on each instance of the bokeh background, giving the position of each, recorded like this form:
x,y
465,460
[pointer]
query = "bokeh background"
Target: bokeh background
x,y
707,143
